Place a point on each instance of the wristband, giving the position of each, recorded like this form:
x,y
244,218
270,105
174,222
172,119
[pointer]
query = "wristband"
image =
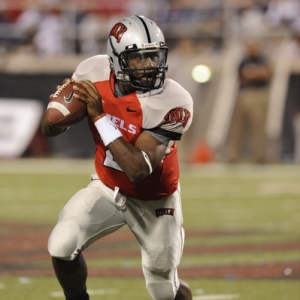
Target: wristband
x,y
107,130
99,117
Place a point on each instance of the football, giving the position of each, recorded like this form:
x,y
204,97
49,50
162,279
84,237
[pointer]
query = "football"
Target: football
x,y
64,110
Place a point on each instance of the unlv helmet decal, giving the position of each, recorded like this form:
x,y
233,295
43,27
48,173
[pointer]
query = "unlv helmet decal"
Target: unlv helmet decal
x,y
117,31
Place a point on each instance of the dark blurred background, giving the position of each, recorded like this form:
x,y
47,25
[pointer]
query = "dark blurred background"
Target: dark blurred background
x,y
240,60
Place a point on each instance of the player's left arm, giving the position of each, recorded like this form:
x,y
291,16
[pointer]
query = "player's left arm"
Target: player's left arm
x,y
138,160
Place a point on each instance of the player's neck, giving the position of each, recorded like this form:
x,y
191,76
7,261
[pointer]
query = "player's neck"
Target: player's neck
x,y
123,88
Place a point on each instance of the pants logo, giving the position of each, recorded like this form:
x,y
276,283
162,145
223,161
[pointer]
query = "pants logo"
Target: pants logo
x,y
164,211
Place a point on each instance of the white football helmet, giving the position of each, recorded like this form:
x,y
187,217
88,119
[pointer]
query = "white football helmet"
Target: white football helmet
x,y
138,38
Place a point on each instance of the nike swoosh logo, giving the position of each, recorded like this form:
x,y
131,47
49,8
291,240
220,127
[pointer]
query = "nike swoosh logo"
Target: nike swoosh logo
x,y
130,110
69,99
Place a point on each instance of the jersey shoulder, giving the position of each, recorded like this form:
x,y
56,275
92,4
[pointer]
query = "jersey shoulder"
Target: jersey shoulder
x,y
172,93
176,93
95,68
160,107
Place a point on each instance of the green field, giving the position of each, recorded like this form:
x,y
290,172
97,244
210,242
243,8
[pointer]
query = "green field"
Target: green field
x,y
224,206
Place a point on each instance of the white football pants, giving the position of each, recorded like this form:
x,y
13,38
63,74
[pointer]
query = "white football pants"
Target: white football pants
x,y
97,211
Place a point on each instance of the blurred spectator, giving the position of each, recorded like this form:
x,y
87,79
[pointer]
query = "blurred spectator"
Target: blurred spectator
x,y
10,36
28,22
8,15
283,13
248,123
250,19
194,11
4,17
48,39
43,27
89,33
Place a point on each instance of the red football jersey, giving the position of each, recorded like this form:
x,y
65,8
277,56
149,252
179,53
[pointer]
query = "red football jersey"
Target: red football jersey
x,y
167,111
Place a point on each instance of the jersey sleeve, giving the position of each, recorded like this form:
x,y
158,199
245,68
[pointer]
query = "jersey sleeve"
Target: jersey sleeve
x,y
161,137
168,113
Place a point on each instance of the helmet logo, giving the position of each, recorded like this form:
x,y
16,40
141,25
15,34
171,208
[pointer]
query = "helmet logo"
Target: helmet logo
x,y
117,31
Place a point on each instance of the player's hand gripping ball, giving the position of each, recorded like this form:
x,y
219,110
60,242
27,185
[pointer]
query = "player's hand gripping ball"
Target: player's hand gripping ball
x,y
64,110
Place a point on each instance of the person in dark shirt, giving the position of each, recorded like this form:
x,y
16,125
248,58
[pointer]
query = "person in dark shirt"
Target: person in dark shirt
x,y
254,75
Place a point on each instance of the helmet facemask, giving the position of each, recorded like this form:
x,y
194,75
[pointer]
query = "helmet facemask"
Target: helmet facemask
x,y
145,69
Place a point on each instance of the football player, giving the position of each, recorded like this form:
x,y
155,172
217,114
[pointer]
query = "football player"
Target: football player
x,y
135,114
